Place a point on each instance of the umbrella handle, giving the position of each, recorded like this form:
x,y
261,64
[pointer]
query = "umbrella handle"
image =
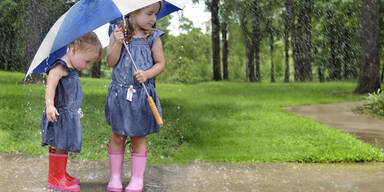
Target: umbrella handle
x,y
155,112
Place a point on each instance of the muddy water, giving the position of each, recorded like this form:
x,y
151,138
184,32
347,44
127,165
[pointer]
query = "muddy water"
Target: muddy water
x,y
23,173
340,116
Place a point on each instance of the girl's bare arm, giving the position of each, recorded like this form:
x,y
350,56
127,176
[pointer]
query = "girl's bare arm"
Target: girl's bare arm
x,y
157,68
114,49
55,74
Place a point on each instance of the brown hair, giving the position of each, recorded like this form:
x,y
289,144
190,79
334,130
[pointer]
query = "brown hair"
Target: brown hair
x,y
128,31
87,42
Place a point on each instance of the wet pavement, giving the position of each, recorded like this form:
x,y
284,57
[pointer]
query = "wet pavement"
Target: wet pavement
x,y
26,173
340,116
23,173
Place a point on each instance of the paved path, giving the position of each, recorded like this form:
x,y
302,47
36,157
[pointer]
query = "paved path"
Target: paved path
x,y
340,116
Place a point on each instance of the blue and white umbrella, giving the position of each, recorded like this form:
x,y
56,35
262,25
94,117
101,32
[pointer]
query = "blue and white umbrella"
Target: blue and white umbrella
x,y
84,17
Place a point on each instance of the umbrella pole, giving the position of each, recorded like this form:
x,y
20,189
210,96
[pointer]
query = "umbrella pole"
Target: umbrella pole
x,y
152,104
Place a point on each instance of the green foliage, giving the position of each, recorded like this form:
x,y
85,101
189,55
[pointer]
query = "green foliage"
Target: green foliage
x,y
13,25
187,56
376,98
211,121
195,66
14,21
376,103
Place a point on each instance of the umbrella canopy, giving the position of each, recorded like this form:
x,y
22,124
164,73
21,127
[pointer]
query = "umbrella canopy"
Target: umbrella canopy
x,y
83,17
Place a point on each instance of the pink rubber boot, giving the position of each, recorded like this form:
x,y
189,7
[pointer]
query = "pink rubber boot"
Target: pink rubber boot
x,y
115,166
138,164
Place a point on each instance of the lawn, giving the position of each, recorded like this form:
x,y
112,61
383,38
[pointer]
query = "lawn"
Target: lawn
x,y
211,121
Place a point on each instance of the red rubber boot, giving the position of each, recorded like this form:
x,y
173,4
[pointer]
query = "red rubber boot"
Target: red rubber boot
x,y
74,180
56,176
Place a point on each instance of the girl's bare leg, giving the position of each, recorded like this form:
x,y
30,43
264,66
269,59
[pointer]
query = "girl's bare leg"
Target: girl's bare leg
x,y
139,144
117,142
61,151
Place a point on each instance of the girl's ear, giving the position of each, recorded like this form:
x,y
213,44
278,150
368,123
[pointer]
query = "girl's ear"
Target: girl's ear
x,y
73,50
75,46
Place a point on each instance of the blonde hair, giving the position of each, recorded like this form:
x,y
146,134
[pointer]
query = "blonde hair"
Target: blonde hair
x,y
128,30
88,42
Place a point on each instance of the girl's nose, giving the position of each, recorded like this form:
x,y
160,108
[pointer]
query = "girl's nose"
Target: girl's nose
x,y
154,19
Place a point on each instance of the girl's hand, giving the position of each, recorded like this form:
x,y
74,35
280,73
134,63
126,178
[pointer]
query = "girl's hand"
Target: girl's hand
x,y
51,113
118,35
141,76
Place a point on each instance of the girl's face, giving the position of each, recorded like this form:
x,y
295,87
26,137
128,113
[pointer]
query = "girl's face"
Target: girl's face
x,y
83,58
145,18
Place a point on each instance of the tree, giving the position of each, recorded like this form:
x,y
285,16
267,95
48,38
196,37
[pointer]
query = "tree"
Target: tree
x,y
294,38
13,16
42,15
307,42
382,75
271,42
96,72
369,75
214,8
287,29
225,13
256,37
334,42
36,33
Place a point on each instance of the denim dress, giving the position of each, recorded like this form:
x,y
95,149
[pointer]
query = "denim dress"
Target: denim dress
x,y
65,133
132,117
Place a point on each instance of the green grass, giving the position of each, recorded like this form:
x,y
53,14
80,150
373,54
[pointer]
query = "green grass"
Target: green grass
x,y
212,121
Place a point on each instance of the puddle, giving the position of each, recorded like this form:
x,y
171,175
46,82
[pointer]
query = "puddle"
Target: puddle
x,y
24,173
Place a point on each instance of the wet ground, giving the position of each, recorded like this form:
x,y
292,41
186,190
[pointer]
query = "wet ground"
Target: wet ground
x,y
21,173
340,116
24,173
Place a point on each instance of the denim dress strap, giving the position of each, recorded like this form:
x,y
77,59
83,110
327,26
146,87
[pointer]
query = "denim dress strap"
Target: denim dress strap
x,y
155,35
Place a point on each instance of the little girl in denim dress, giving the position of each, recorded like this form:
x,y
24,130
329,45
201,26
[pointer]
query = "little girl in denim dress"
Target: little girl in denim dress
x,y
60,124
127,110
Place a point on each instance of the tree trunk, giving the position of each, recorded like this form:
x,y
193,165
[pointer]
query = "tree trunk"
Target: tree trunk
x,y
334,45
347,54
224,31
250,70
256,38
287,28
251,65
382,74
292,26
369,80
319,67
300,48
36,32
215,39
2,45
271,41
96,70
307,42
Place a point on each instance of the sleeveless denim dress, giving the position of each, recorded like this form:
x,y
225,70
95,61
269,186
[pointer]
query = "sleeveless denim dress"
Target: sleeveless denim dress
x,y
65,133
132,117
